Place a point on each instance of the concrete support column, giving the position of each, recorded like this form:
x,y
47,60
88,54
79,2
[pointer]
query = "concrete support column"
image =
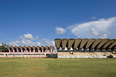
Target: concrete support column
x,y
17,49
42,48
33,49
9,49
25,48
38,48
13,49
90,49
51,49
21,49
46,49
29,49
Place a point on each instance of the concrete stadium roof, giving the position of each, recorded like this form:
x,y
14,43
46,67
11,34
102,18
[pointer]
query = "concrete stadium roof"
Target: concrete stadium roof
x,y
83,43
70,43
89,43
86,44
58,43
102,43
64,43
77,42
97,41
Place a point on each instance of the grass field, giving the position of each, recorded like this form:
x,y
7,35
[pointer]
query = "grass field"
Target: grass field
x,y
48,67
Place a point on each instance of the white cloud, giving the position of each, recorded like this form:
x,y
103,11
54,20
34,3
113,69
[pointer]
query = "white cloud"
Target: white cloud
x,y
48,42
27,37
13,44
104,36
29,40
93,17
93,29
60,30
38,44
53,43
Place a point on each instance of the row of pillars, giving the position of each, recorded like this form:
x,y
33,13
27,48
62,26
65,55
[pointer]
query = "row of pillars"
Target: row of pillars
x,y
30,48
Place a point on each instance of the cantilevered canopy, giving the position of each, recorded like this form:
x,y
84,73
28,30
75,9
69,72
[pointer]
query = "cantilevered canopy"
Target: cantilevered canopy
x,y
86,44
112,45
70,43
83,43
108,44
89,43
58,43
76,43
64,43
102,43
97,41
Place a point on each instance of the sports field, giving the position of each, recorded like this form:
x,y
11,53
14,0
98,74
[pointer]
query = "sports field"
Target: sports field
x,y
49,67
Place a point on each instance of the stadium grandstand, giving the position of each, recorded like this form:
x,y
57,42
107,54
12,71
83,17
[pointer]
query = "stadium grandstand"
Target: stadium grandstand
x,y
86,48
29,51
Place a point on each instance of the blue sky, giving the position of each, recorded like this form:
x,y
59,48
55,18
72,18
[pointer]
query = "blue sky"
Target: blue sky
x,y
34,22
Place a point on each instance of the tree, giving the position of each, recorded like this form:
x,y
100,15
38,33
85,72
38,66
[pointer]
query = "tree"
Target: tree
x,y
3,48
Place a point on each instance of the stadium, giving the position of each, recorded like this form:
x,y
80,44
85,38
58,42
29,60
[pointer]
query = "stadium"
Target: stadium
x,y
86,48
57,38
66,48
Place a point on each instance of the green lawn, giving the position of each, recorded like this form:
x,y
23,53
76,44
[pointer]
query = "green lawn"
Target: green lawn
x,y
48,67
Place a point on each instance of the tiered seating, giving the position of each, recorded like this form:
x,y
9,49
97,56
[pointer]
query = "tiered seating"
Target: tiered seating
x,y
85,54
